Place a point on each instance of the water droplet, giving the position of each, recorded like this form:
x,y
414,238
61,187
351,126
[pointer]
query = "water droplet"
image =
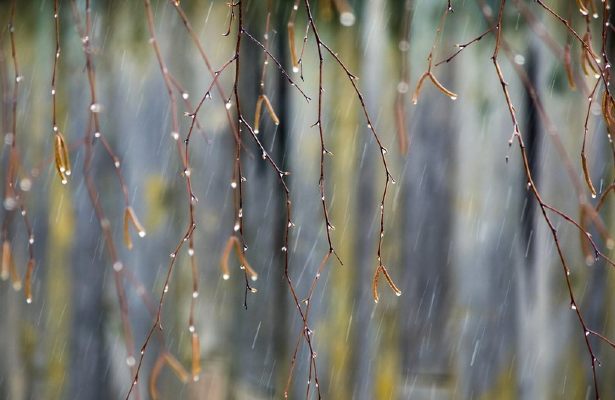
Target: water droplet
x,y
95,107
191,252
233,184
284,249
519,59
130,361
347,18
25,184
295,69
175,135
185,95
226,277
228,105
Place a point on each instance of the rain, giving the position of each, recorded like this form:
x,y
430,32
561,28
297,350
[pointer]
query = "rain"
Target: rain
x,y
307,199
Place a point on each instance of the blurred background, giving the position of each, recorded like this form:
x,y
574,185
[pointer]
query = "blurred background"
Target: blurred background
x,y
485,311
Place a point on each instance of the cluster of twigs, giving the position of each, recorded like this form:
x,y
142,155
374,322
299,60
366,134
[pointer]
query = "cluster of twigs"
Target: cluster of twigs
x,y
594,65
13,193
239,125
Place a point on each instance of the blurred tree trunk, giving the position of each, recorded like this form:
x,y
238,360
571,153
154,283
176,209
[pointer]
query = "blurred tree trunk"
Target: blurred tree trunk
x,y
363,355
282,147
533,288
88,357
427,198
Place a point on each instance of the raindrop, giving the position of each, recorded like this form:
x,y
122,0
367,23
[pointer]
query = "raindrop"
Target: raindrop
x,y
25,184
347,18
95,108
519,59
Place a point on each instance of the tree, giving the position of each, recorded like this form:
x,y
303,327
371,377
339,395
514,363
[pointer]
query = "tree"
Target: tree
x,y
200,199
